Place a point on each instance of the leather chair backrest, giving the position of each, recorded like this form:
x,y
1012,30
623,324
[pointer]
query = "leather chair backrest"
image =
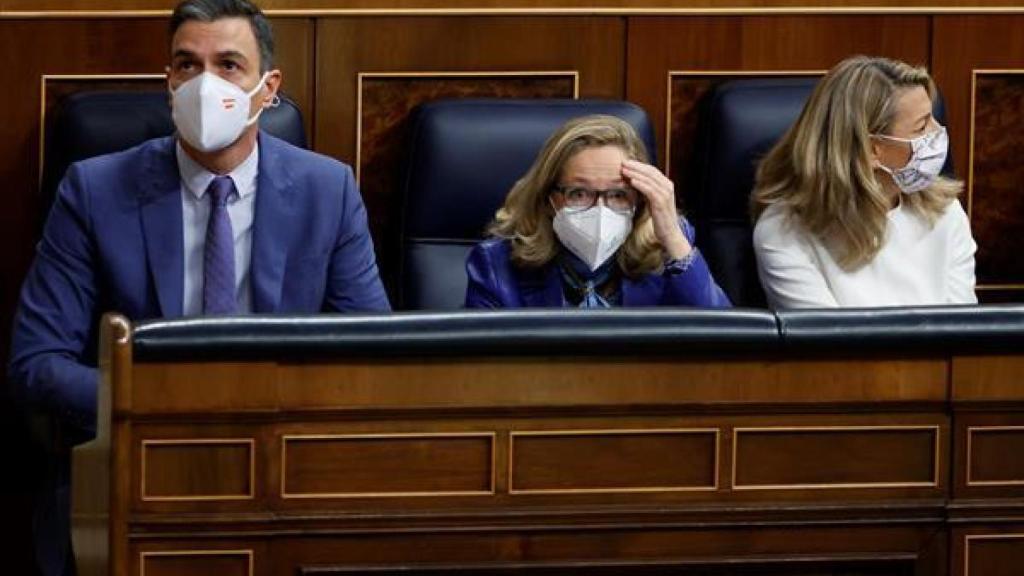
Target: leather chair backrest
x,y
88,124
739,123
463,158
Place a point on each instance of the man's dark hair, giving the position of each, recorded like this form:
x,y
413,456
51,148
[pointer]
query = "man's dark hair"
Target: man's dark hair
x,y
210,10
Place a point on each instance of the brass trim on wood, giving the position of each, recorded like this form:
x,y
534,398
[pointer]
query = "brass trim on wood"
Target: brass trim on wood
x,y
969,537
248,553
490,436
615,431
713,73
935,473
970,436
249,443
574,74
44,78
975,72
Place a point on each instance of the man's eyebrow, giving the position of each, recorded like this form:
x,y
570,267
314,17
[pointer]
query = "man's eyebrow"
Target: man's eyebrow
x,y
182,53
232,54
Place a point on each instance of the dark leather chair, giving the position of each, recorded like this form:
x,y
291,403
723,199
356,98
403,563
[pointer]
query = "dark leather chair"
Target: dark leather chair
x,y
463,157
739,122
88,124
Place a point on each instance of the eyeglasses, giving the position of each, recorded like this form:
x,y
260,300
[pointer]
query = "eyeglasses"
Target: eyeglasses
x,y
621,200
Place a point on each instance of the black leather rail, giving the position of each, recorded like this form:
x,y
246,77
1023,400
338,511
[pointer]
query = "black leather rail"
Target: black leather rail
x,y
941,329
651,331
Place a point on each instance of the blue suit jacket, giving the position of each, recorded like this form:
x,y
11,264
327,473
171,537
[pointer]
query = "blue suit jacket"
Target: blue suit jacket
x,y
114,242
495,282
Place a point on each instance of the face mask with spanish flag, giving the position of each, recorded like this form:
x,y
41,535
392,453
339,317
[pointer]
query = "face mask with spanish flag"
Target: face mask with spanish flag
x,y
211,113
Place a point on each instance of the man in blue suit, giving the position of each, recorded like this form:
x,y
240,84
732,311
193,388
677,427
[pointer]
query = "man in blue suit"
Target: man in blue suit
x,y
219,219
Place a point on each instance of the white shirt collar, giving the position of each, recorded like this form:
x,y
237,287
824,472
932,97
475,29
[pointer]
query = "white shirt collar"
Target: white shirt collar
x,y
196,179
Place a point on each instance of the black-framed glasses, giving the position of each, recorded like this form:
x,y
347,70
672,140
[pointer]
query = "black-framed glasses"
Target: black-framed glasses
x,y
579,198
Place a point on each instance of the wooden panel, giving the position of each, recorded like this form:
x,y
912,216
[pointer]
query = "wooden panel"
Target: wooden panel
x,y
197,469
739,550
613,460
294,49
509,383
610,381
198,386
348,47
988,378
993,554
658,45
528,6
960,46
197,563
986,438
835,457
995,200
988,450
326,466
840,565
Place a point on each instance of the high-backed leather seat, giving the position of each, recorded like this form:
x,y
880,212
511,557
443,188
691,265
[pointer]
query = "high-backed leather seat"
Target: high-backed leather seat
x,y
463,158
739,122
88,124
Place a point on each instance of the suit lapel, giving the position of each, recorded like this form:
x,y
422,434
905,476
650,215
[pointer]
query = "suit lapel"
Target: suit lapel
x,y
160,207
272,226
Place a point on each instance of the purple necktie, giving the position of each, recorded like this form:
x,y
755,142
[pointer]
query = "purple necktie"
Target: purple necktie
x,y
219,254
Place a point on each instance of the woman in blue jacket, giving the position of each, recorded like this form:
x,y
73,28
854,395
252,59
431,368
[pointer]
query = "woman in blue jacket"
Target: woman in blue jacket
x,y
590,225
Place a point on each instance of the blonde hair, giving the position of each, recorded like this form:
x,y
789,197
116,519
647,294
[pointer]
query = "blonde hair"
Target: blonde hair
x,y
822,170
525,218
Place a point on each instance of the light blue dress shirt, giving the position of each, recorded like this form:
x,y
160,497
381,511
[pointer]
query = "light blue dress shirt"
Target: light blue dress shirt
x,y
195,212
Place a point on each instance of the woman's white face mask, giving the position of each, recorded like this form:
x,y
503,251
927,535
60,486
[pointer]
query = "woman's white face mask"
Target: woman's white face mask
x,y
593,234
927,157
211,113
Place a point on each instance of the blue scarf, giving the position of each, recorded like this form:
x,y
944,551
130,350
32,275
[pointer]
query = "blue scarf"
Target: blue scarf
x,y
594,289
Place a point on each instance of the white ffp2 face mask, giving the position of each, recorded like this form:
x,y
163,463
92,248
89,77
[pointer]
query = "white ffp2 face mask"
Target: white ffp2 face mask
x,y
210,113
928,155
594,234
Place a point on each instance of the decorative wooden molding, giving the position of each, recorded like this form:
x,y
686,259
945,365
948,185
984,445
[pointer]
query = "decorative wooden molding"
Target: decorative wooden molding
x,y
609,432
285,439
247,553
249,443
361,76
971,431
989,537
933,483
975,72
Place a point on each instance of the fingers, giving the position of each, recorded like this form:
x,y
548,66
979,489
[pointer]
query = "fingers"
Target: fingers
x,y
649,181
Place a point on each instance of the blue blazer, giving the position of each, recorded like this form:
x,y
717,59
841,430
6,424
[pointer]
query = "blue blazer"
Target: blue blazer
x,y
495,282
114,242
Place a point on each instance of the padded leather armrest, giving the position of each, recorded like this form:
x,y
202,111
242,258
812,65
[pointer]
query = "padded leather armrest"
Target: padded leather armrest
x,y
661,331
948,329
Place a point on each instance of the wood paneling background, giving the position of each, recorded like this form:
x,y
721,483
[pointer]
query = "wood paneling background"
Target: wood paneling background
x,y
613,51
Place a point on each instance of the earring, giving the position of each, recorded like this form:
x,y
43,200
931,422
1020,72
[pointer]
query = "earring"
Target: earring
x,y
275,101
